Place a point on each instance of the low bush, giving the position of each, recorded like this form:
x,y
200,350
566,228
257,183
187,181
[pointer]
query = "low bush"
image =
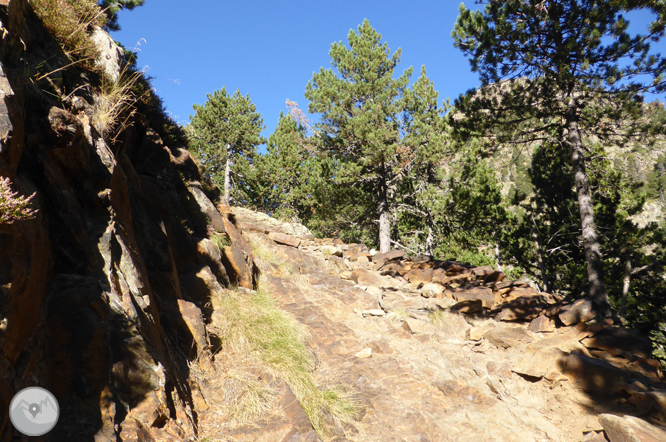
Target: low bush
x,y
13,207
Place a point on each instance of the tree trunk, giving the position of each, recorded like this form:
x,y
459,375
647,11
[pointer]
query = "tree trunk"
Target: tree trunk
x,y
541,257
227,176
595,272
498,264
384,227
384,218
626,283
430,239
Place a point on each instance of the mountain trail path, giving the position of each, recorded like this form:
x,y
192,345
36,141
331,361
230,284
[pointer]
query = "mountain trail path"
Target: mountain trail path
x,y
419,369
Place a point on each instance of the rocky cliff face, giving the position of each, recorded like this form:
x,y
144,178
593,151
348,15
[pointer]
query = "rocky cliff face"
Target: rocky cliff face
x,y
103,296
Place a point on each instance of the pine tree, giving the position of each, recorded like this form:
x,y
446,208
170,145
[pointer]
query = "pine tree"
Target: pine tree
x,y
112,7
287,172
559,70
361,109
225,133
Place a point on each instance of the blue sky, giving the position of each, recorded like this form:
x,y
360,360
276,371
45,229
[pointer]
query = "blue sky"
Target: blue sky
x,y
270,49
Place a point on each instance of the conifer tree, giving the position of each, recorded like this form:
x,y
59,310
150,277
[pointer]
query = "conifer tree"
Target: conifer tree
x,y
361,108
559,70
225,133
112,7
286,172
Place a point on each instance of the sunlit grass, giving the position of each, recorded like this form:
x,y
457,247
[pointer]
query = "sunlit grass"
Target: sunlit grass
x,y
251,326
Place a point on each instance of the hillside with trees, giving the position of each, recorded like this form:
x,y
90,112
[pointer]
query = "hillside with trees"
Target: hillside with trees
x,y
551,170
385,266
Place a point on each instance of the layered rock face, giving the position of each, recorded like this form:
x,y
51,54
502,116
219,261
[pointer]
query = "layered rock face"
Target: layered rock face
x,y
444,351
103,296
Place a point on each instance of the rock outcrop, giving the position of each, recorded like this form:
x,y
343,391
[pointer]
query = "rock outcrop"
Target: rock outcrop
x,y
484,358
104,295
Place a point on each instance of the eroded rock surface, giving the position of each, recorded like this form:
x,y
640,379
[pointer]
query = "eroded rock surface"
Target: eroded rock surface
x,y
104,295
423,372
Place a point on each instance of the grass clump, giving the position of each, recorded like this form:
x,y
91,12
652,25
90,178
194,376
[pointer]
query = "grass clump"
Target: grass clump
x,y
70,22
115,102
252,326
245,399
439,317
260,251
221,241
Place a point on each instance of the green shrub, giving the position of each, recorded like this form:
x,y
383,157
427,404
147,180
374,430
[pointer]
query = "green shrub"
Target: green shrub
x,y
221,241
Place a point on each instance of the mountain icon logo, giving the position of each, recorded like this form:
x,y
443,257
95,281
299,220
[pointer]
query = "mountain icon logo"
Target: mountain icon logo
x,y
34,411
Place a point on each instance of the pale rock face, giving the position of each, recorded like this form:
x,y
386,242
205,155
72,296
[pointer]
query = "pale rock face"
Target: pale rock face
x,y
110,53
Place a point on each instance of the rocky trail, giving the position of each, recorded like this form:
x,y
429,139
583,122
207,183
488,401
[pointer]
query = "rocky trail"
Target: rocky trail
x,y
446,352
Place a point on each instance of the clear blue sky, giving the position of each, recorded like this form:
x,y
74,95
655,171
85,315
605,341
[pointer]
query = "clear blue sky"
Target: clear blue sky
x,y
269,49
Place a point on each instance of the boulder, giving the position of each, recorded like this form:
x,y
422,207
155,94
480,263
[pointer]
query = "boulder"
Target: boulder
x,y
416,326
541,324
238,262
281,238
483,294
630,429
419,276
388,256
207,208
109,53
523,308
211,256
621,340
368,278
452,281
592,375
431,290
330,250
477,333
580,311
456,269
494,277
594,436
201,286
506,337
191,315
482,272
468,307
538,362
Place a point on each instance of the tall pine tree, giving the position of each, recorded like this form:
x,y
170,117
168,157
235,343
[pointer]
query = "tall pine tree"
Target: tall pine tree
x,y
559,70
224,134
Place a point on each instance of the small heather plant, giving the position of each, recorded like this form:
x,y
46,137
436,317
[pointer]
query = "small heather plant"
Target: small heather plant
x,y
12,206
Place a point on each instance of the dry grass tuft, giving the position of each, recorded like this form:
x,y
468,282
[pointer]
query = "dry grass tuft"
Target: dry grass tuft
x,y
70,22
115,102
439,317
237,398
260,251
221,240
253,329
